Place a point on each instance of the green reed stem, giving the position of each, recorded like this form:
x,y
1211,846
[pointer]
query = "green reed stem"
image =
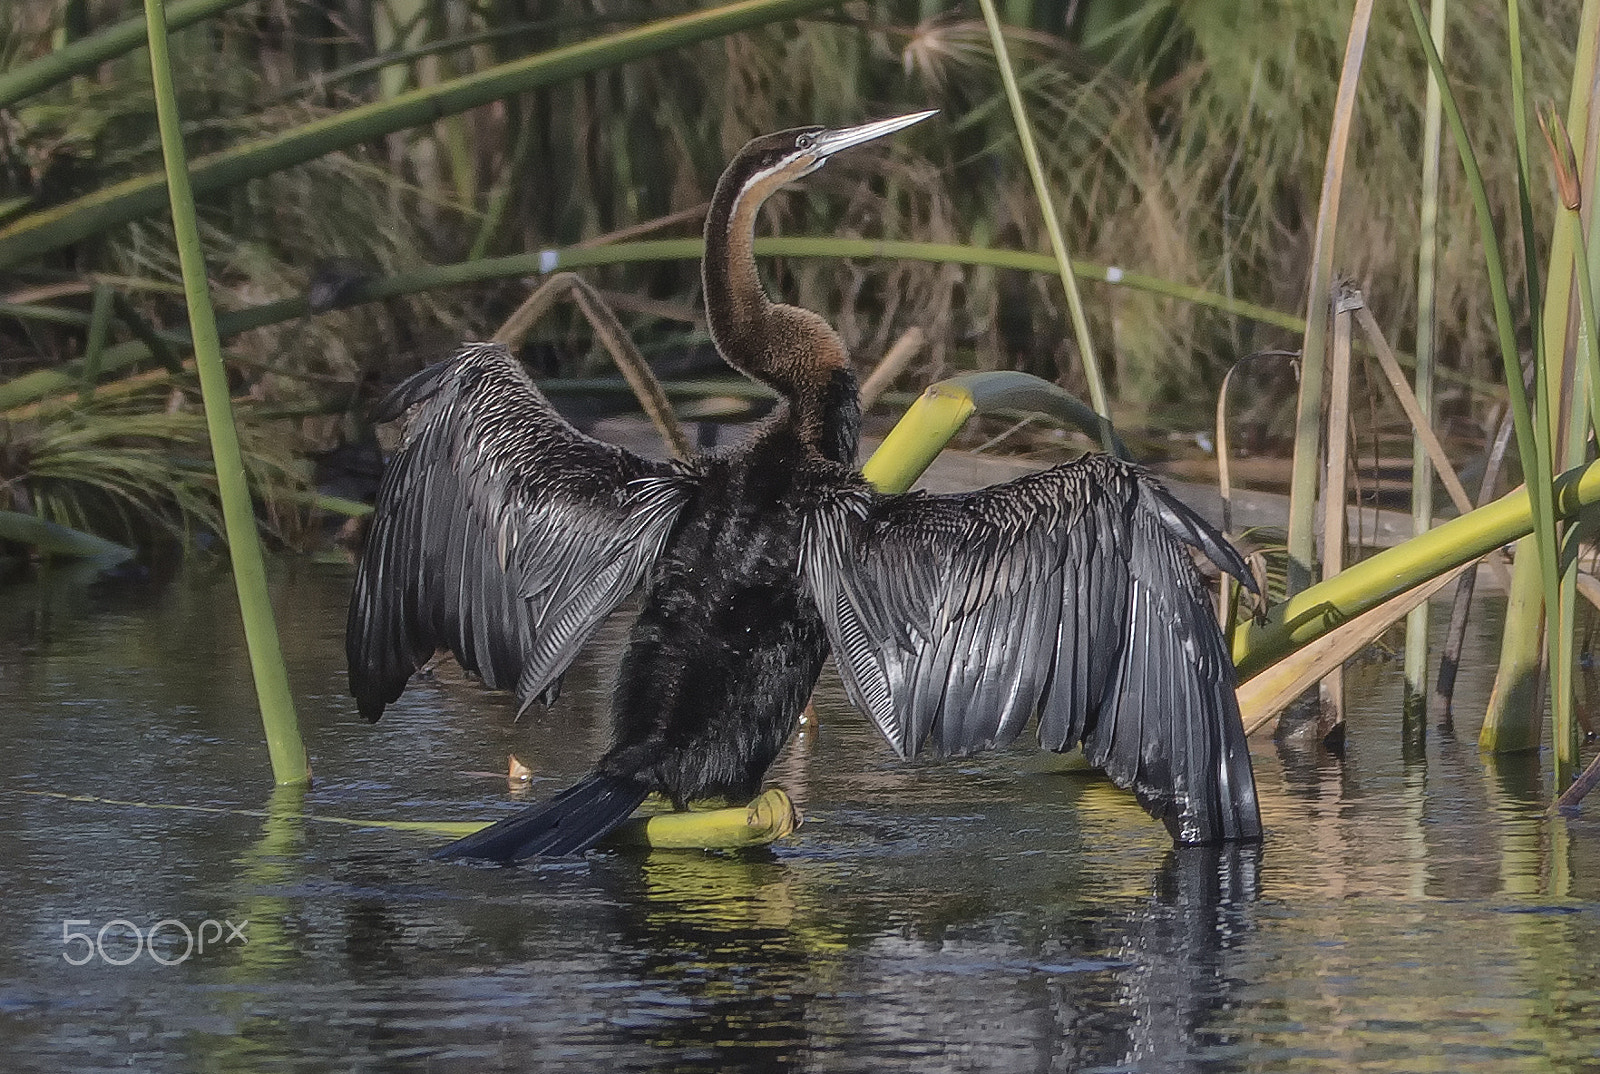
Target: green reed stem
x,y
1364,585
1416,659
289,763
1041,190
940,412
1590,341
1575,166
1532,443
41,382
1553,433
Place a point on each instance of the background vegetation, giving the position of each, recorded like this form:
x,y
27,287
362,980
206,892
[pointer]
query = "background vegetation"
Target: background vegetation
x,y
1184,140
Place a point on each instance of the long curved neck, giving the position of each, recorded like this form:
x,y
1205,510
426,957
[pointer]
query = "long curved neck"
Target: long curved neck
x,y
736,306
791,349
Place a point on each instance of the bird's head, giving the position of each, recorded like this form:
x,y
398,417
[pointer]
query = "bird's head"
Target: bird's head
x,y
773,160
792,349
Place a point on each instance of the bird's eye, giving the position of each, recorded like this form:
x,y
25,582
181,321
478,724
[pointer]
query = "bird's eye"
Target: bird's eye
x,y
804,142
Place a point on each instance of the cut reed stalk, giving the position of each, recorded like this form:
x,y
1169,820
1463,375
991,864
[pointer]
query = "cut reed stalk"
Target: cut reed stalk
x,y
1570,798
1223,439
1263,697
624,353
1432,449
1308,414
940,412
1335,490
1514,716
1416,653
891,365
1225,581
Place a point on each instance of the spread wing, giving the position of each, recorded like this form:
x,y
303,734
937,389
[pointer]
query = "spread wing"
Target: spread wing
x,y
1069,594
500,533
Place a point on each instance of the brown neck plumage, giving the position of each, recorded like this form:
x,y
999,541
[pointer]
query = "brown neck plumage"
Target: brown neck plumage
x,y
791,349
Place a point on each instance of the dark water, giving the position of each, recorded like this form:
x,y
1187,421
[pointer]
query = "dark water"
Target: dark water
x,y
997,914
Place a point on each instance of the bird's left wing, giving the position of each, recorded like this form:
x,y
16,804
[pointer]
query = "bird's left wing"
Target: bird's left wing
x,y
1069,593
501,533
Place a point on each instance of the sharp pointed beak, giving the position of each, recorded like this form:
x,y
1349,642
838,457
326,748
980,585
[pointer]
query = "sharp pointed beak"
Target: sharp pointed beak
x,y
827,143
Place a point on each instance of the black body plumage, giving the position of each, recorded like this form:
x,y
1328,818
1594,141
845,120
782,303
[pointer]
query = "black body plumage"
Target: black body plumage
x,y
728,644
505,536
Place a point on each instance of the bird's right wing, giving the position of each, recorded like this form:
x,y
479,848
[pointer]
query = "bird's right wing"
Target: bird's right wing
x,y
501,533
1069,594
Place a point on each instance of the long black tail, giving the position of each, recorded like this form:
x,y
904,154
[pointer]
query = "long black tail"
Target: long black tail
x,y
570,823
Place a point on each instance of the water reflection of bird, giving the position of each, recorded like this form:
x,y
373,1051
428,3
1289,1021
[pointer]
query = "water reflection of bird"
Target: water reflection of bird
x,y
506,536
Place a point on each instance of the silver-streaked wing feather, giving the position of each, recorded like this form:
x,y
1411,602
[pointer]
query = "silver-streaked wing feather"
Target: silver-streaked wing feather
x,y
500,533
1069,594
